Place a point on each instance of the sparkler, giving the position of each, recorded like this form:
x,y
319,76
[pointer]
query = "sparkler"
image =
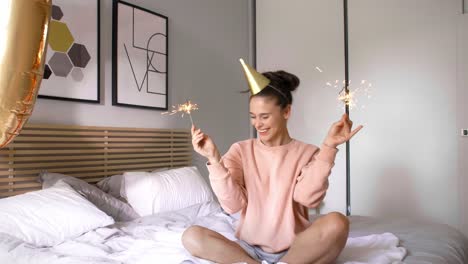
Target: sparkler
x,y
347,98
350,98
185,108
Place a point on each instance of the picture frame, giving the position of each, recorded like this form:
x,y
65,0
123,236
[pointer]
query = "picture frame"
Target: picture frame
x,y
72,67
139,57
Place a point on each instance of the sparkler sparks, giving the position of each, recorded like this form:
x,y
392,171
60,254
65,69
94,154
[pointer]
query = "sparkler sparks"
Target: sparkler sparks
x,y
359,89
347,98
185,108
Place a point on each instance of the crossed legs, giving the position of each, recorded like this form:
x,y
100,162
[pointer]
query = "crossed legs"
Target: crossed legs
x,y
321,243
206,244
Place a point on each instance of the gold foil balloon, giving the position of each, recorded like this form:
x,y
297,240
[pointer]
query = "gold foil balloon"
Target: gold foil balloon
x,y
23,41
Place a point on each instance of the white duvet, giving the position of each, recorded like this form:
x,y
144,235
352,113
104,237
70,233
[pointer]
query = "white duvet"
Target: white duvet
x,y
151,239
157,239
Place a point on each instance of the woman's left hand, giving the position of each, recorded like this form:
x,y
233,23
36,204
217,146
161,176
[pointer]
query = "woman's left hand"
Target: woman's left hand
x,y
340,132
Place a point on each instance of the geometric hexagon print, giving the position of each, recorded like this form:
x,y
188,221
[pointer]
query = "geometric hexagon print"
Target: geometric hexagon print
x,y
60,64
72,63
60,38
57,13
77,74
47,72
79,55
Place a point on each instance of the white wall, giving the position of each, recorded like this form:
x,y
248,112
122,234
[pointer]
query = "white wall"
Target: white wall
x,y
404,161
462,118
206,38
309,34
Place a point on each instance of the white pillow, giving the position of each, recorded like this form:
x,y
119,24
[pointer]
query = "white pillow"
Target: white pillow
x,y
113,184
154,192
117,209
50,216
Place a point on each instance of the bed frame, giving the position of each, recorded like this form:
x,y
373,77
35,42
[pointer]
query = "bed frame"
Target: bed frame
x,y
88,152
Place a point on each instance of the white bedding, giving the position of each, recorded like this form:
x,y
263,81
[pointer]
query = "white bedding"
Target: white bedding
x,y
156,239
151,239
426,243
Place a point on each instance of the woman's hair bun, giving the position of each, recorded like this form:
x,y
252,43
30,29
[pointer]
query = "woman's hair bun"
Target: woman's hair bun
x,y
285,80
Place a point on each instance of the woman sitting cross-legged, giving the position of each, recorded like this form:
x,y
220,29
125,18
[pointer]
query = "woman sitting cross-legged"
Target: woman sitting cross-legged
x,y
272,181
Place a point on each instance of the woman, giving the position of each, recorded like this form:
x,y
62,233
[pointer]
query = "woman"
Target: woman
x,y
272,181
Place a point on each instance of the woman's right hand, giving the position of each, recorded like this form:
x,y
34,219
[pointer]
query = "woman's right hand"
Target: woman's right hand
x,y
203,145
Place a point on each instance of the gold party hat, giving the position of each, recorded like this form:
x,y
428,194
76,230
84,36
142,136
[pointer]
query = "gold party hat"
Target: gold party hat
x,y
257,82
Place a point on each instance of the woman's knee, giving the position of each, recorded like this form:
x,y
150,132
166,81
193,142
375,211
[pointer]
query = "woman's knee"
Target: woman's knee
x,y
192,239
337,225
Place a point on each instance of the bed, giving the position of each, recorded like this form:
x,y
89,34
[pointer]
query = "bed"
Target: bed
x,y
93,154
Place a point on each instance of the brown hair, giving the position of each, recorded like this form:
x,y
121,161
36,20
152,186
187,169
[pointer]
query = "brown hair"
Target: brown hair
x,y
284,83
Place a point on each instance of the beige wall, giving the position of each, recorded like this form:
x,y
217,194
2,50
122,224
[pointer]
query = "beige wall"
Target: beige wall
x,y
206,38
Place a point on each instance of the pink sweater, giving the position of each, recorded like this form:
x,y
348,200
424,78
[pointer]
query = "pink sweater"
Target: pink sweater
x,y
272,187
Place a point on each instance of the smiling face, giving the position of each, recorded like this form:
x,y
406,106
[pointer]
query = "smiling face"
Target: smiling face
x,y
269,119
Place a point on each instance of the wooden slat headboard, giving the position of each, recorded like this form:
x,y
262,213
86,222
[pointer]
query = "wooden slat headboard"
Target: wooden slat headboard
x,y
89,153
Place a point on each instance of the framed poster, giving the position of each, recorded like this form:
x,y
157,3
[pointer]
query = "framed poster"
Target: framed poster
x,y
139,57
71,70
